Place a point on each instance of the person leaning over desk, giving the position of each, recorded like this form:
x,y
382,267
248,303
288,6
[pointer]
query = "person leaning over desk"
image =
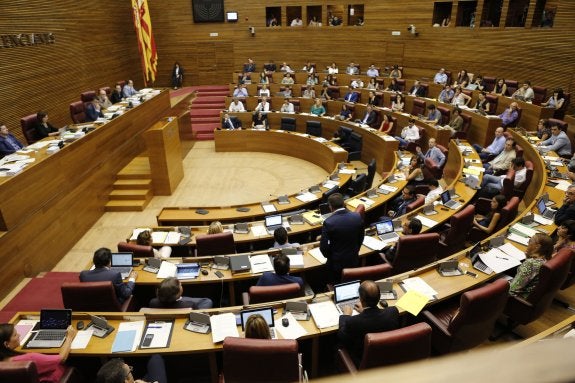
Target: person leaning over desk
x,y
145,239
50,368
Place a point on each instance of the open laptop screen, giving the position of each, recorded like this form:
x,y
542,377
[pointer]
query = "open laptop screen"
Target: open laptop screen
x,y
445,197
346,291
54,319
273,220
541,206
384,227
122,259
267,313
324,208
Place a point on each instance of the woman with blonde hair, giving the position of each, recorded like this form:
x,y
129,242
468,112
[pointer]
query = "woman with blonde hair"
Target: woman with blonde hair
x,y
215,228
257,328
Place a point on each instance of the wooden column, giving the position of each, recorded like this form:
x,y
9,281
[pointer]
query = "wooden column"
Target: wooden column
x,y
165,152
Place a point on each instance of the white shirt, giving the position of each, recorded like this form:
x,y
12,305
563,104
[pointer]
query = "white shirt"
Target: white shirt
x,y
263,107
264,92
239,107
372,72
433,194
331,70
296,23
287,108
410,133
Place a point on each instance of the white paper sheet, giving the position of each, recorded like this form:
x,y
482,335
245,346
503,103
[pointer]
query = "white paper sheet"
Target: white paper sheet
x,y
317,254
509,249
293,331
419,285
498,261
82,339
261,263
324,314
223,325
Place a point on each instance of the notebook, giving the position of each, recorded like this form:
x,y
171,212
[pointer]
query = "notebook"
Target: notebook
x,y
122,263
346,294
52,333
266,312
448,202
385,230
545,211
273,222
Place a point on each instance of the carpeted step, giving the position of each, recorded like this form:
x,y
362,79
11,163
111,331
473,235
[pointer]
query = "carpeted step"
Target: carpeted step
x,y
222,93
205,119
205,127
204,136
219,106
204,112
209,100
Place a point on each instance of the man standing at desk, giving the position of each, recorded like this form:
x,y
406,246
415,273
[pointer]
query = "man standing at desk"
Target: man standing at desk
x,y
341,237
352,329
8,143
102,272
567,211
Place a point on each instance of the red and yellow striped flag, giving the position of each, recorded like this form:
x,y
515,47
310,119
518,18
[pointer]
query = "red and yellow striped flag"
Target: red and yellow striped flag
x,y
146,43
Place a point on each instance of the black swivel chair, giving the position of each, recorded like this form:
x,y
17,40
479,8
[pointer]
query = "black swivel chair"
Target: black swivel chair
x,y
371,169
288,123
313,128
355,146
356,186
331,191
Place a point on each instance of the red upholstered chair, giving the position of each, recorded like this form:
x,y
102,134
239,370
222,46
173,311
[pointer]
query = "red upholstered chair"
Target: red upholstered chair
x,y
519,151
121,83
140,251
418,107
425,89
409,254
449,78
454,238
512,86
489,83
560,123
401,84
107,89
419,201
507,189
77,112
28,124
260,294
334,92
390,347
465,324
215,244
551,276
92,296
462,134
519,191
88,96
508,214
540,93
570,280
493,101
260,360
445,114
431,169
26,372
296,105
373,273
412,145
360,209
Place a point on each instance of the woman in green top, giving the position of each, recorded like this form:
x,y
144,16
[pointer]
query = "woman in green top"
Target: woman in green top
x,y
539,250
317,108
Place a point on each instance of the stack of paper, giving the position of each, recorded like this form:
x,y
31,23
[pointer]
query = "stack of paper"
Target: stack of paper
x,y
173,238
388,188
426,221
306,197
317,254
347,171
498,261
373,243
293,331
413,302
419,285
258,230
159,236
312,218
324,314
268,207
296,260
261,263
223,325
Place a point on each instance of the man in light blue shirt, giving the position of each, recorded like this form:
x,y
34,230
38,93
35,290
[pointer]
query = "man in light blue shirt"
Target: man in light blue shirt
x,y
433,152
440,77
494,149
129,89
558,142
509,115
446,94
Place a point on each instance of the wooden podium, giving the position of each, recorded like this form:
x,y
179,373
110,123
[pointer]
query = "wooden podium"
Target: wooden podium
x,y
165,153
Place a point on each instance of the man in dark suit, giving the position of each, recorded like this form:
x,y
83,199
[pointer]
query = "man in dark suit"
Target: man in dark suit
x,y
567,210
351,96
8,143
370,117
102,272
417,90
352,329
229,122
281,275
341,238
169,296
399,204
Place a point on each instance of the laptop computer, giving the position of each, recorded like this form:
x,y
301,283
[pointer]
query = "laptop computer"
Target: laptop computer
x,y
240,263
273,222
385,231
346,294
544,210
122,263
266,312
325,211
448,202
52,332
153,265
548,202
476,261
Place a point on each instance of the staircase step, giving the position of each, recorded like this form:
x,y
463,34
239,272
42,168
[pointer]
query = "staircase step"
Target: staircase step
x,y
203,120
205,112
208,99
126,205
123,184
131,194
219,106
139,167
204,136
205,127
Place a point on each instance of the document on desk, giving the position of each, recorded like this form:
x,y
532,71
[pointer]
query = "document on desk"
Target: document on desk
x,y
128,336
523,230
24,329
498,261
261,263
419,285
82,339
542,220
296,260
173,238
317,254
330,184
167,270
159,236
518,238
509,249
347,171
307,196
158,334
426,221
388,188
268,207
413,302
223,325
258,230
563,185
312,218
324,314
293,331
374,243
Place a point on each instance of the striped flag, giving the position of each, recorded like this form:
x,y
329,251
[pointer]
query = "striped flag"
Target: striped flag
x,y
146,43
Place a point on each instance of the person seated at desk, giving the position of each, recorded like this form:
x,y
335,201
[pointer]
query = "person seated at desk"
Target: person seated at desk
x,y
169,296
408,134
330,80
117,94
287,92
281,239
116,371
489,222
459,98
50,368
494,148
333,69
414,172
236,106
103,99
281,275
539,249
397,104
395,72
492,184
433,152
558,142
565,236
440,77
543,131
500,88
102,260
264,91
309,92
246,78
312,79
556,100
482,105
231,123
287,107
129,90
317,109
369,118
393,86
351,96
433,115
478,82
240,91
288,79
435,190
373,99
145,239
417,90
8,143
308,68
250,66
411,227
399,204
386,124
263,106
567,210
260,120
456,123
215,227
509,115
286,68
524,93
446,95
462,79
351,69
325,93
345,114
257,328
43,127
502,162
372,71
352,329
372,84
264,79
341,238
93,110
